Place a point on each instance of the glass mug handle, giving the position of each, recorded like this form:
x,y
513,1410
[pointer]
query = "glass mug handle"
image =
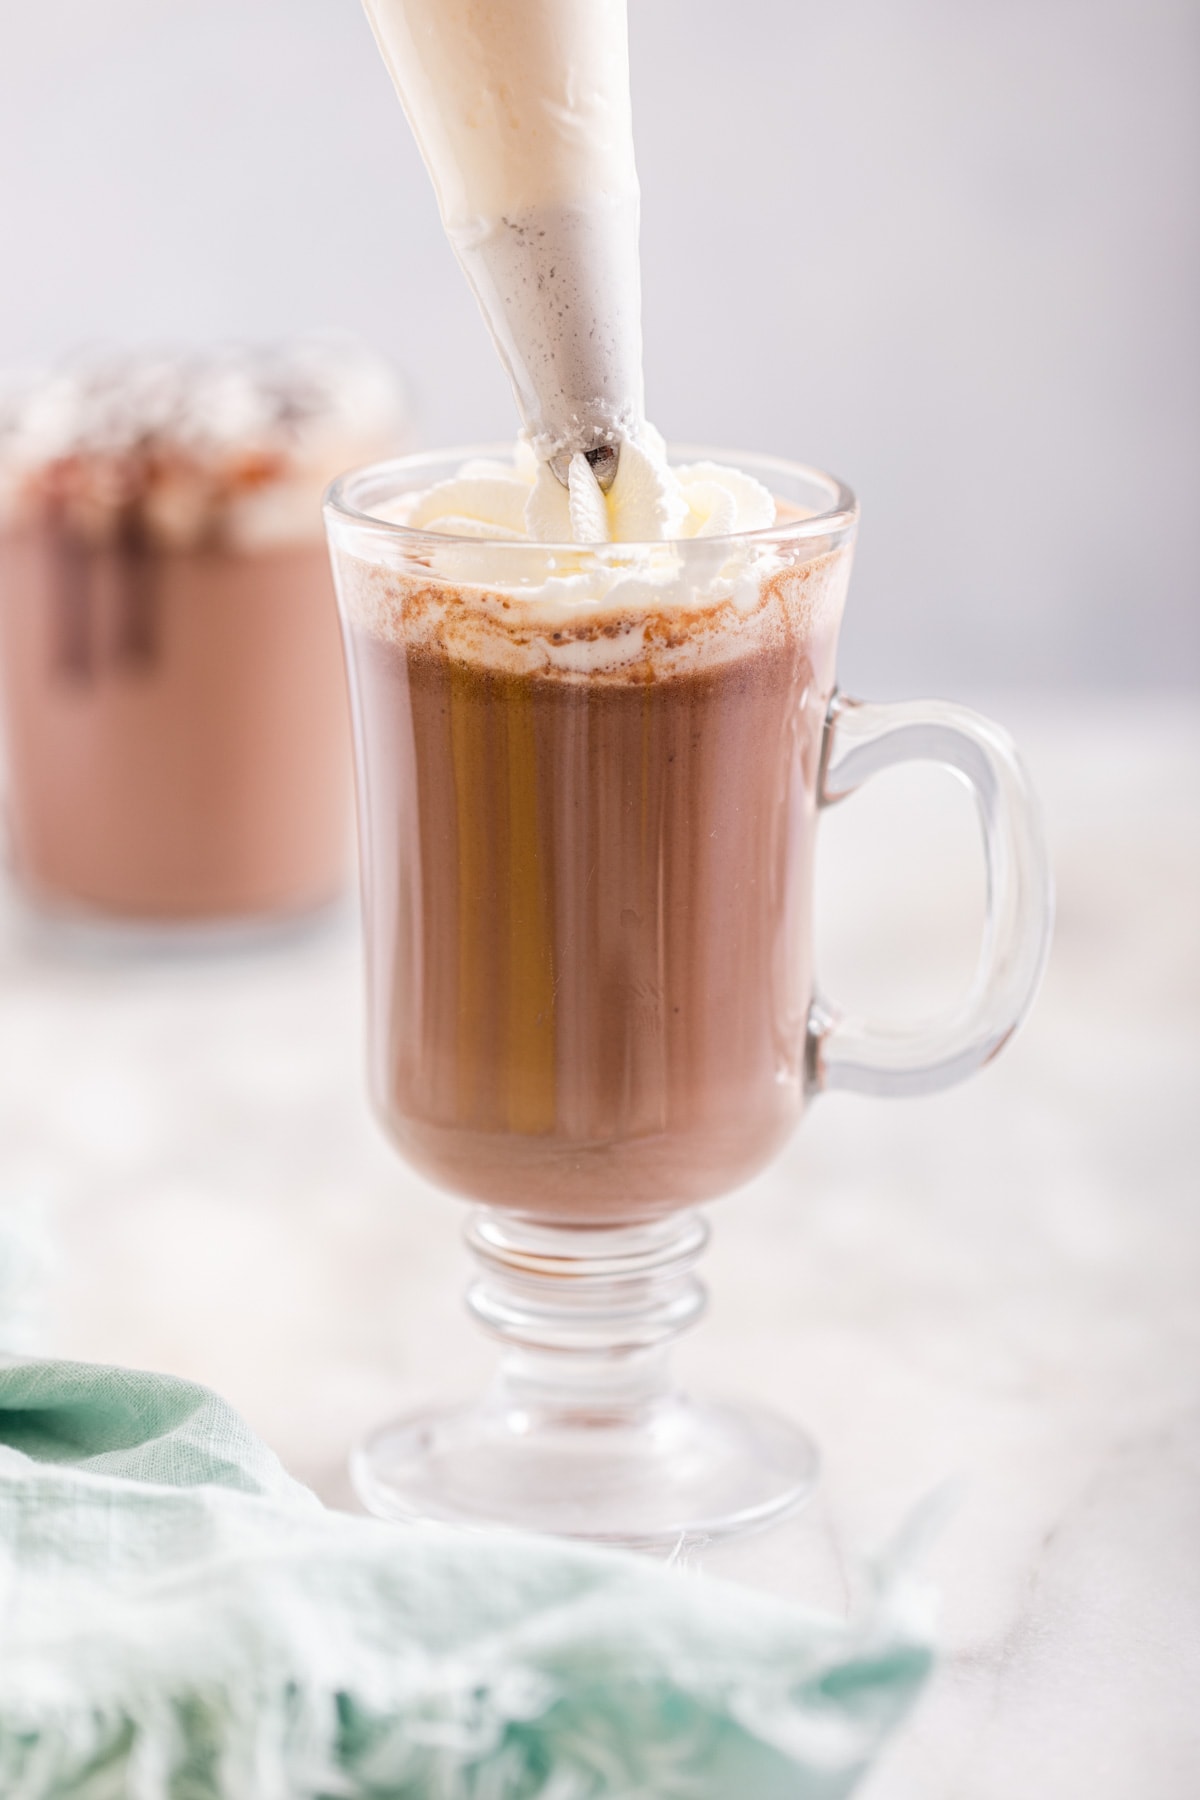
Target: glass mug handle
x,y
862,738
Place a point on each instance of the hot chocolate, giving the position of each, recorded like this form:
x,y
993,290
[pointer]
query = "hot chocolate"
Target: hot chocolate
x,y
588,880
173,700
591,689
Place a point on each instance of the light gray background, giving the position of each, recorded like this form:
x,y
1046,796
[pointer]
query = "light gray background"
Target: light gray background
x,y
948,250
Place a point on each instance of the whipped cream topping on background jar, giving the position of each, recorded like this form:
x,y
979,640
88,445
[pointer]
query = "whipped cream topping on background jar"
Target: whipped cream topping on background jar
x,y
171,680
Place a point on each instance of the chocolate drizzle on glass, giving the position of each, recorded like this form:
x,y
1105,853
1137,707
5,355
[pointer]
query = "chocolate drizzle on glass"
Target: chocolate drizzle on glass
x,y
136,642
73,625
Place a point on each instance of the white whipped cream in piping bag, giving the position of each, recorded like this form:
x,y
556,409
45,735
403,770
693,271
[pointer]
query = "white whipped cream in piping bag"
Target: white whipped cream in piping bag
x,y
522,113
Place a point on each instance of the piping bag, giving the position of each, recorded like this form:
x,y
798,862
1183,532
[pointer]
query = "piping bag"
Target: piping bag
x,y
521,110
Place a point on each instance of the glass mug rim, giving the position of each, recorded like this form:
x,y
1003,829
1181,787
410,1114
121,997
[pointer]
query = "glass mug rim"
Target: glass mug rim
x,y
350,500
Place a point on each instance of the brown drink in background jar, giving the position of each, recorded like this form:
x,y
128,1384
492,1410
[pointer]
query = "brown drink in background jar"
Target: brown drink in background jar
x,y
174,711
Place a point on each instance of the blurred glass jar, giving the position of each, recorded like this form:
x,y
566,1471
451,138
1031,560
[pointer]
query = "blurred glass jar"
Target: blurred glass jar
x,y
171,678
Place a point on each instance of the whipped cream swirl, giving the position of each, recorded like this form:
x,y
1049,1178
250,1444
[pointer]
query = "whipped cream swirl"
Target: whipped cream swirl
x,y
469,576
591,570
649,501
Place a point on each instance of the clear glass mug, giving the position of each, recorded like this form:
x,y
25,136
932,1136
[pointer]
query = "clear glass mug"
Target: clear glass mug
x,y
587,839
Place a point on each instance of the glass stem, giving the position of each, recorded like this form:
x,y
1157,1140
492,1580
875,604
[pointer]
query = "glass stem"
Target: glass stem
x,y
587,1314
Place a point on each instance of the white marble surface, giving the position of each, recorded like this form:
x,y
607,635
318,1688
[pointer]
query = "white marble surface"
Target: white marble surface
x,y
1000,1284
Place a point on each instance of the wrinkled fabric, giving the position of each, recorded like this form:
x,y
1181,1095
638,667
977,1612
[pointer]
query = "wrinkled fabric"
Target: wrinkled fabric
x,y
178,1617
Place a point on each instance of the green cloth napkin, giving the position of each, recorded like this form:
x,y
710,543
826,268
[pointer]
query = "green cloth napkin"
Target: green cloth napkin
x,y
180,1618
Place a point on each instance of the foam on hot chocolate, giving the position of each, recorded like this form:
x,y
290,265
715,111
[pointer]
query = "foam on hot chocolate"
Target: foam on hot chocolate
x,y
234,445
472,582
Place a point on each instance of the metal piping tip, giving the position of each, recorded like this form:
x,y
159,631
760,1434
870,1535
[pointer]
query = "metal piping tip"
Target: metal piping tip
x,y
604,459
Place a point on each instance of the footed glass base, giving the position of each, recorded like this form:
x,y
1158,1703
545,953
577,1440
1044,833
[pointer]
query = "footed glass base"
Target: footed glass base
x,y
582,1435
678,1472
